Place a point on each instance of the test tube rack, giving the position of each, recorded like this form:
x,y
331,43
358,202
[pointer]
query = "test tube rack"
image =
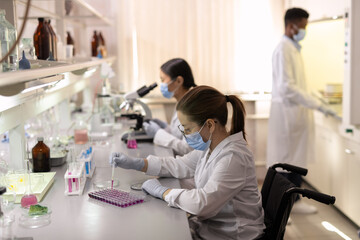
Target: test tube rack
x,y
116,197
75,179
88,160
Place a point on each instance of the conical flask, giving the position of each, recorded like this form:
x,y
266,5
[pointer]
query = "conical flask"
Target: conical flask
x,y
28,199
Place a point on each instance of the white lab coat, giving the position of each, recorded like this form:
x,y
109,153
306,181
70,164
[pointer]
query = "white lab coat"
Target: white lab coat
x,y
171,137
290,135
226,199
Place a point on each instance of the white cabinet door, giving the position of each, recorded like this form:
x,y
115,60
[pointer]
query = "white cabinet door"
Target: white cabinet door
x,y
339,174
319,167
352,154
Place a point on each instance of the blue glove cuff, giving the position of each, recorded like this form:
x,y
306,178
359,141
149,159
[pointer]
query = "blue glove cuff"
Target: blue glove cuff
x,y
139,164
154,188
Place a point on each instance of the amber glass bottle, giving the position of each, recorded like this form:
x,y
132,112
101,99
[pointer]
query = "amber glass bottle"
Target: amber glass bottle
x,y
54,40
70,41
41,156
94,44
102,45
42,40
51,50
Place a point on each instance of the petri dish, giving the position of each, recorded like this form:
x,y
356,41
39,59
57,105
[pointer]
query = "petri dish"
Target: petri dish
x,y
137,186
27,221
106,183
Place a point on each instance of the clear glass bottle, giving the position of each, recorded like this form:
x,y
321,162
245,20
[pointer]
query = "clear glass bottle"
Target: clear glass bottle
x,y
27,45
41,156
106,111
12,34
42,40
13,63
4,40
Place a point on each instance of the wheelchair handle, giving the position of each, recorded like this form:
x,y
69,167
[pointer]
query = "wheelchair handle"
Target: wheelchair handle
x,y
291,168
320,197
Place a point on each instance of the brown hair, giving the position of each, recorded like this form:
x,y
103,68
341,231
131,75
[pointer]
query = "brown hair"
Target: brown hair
x,y
204,102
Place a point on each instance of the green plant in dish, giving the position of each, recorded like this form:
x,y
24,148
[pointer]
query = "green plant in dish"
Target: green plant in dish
x,y
36,210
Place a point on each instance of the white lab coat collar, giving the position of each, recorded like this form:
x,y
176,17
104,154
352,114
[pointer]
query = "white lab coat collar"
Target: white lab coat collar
x,y
234,137
295,43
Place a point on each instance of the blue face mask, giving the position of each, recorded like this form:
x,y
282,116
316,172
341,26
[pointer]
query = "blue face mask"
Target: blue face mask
x,y
165,90
300,35
196,142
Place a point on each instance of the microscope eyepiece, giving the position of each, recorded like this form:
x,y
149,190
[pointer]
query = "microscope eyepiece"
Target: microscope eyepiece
x,y
145,90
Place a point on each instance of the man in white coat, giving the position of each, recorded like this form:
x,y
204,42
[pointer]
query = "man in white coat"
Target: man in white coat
x,y
291,120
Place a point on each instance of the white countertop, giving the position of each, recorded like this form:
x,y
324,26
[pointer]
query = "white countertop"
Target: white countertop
x,y
79,217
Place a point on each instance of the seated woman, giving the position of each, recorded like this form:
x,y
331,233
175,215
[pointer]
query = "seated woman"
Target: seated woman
x,y
225,203
176,79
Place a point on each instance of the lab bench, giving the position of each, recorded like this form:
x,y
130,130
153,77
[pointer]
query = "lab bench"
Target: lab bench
x,y
79,217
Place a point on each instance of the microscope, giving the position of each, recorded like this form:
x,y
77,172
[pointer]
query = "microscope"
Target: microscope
x,y
131,99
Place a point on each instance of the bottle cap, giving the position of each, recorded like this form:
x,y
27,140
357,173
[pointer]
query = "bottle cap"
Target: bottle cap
x,y
41,19
40,138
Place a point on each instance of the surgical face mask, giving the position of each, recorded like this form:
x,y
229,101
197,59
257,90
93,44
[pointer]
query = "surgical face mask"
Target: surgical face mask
x,y
196,142
300,35
164,88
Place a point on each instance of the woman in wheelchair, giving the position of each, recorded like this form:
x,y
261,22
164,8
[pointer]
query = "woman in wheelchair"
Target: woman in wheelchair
x,y
225,202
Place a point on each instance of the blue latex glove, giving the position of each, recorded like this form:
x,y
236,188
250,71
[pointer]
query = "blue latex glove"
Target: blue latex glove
x,y
124,161
162,124
151,128
154,188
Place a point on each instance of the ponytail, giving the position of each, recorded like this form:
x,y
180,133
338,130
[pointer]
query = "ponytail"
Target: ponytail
x,y
203,102
238,118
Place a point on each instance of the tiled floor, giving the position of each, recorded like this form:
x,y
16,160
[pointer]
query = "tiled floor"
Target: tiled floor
x,y
309,227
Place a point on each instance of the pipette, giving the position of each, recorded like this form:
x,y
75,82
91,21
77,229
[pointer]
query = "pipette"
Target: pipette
x,y
112,175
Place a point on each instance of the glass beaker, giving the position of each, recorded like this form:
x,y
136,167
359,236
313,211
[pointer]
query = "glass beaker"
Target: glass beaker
x,y
81,132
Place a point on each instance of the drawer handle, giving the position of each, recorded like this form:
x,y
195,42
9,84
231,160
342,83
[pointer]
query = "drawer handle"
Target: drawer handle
x,y
348,151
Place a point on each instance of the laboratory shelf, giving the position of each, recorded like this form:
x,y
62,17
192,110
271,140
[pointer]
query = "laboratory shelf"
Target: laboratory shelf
x,y
30,102
85,13
21,76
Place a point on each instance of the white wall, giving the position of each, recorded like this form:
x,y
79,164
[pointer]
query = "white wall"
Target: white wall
x,y
319,9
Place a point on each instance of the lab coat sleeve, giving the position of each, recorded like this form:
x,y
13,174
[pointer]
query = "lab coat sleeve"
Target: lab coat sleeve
x,y
288,89
179,167
227,180
165,139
